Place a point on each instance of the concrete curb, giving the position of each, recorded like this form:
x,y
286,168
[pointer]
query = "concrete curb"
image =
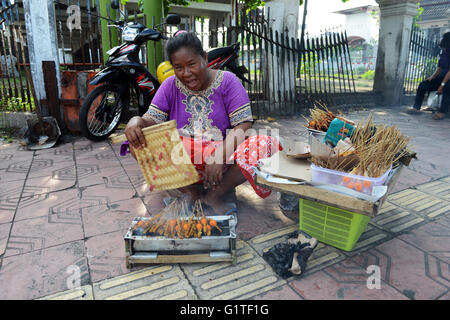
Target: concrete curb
x,y
16,120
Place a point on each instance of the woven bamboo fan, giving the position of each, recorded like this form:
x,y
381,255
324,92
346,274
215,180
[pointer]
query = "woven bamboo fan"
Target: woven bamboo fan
x,y
164,162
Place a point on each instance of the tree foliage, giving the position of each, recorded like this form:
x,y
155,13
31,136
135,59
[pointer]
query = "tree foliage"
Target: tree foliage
x,y
166,4
249,4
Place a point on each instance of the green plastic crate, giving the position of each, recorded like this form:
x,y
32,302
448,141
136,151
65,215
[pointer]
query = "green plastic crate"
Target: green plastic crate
x,y
336,227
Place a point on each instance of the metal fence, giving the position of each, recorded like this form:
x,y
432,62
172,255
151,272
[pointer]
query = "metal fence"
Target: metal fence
x,y
79,45
286,76
422,61
16,86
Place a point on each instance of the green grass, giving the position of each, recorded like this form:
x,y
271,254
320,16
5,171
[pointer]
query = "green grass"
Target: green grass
x,y
15,104
6,138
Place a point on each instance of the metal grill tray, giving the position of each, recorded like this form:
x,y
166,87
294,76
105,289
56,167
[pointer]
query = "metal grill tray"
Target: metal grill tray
x,y
160,249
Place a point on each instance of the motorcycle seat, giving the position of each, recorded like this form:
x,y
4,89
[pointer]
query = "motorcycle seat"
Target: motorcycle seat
x,y
218,52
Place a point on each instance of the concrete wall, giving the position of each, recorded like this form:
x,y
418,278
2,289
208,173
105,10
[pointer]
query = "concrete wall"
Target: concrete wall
x,y
17,120
42,42
362,25
396,18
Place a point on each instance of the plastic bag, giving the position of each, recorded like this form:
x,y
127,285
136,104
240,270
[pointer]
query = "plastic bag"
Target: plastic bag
x,y
338,130
289,258
434,100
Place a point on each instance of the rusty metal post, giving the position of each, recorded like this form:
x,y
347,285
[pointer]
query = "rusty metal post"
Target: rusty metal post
x,y
51,92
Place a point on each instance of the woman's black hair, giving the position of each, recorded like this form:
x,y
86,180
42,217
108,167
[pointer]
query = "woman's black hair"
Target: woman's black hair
x,y
184,40
445,43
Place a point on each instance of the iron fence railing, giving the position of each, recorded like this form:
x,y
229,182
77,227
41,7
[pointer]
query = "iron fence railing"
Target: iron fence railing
x,y
16,86
422,60
79,44
288,75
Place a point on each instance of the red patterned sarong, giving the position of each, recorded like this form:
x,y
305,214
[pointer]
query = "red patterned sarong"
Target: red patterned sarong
x,y
246,156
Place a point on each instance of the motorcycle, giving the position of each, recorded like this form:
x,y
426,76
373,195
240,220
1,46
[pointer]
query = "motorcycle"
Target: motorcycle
x,y
105,106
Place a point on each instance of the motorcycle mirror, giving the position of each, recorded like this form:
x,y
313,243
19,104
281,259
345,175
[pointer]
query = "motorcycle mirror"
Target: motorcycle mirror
x,y
115,4
173,18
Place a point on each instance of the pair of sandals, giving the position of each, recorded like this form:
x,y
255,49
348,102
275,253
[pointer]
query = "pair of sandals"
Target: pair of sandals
x,y
435,116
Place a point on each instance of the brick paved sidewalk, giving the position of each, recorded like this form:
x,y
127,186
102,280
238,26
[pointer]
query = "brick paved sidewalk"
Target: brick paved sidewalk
x,y
66,209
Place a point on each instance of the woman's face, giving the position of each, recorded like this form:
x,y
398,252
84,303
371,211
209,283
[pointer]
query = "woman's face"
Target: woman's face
x,y
190,68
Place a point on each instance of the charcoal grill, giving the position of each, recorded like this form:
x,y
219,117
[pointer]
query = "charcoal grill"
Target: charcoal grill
x,y
153,248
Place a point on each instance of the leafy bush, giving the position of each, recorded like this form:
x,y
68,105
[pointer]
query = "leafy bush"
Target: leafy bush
x,y
13,104
368,75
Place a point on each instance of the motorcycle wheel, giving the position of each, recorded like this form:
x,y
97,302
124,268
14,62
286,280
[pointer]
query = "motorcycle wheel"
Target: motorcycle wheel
x,y
101,112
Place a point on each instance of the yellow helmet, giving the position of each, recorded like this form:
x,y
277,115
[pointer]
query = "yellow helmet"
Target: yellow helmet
x,y
164,71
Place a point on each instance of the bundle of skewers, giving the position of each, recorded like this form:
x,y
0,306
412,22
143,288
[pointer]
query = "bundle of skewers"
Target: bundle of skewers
x,y
178,221
379,147
372,150
320,118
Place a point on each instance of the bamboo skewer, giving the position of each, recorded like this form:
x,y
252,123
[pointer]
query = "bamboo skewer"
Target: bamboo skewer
x,y
377,146
184,221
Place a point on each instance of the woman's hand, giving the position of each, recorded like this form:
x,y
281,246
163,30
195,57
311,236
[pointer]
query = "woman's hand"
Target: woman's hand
x,y
213,175
134,134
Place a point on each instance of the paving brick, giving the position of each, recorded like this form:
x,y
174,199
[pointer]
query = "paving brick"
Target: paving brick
x,y
50,167
258,216
36,204
107,193
14,158
4,236
10,194
251,276
409,178
43,272
60,153
59,181
433,238
112,217
445,296
158,282
438,188
280,293
81,293
422,203
345,280
106,255
43,232
395,219
91,173
444,220
410,270
7,176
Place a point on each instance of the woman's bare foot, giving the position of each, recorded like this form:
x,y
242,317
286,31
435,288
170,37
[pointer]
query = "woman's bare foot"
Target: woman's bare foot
x,y
215,202
190,194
